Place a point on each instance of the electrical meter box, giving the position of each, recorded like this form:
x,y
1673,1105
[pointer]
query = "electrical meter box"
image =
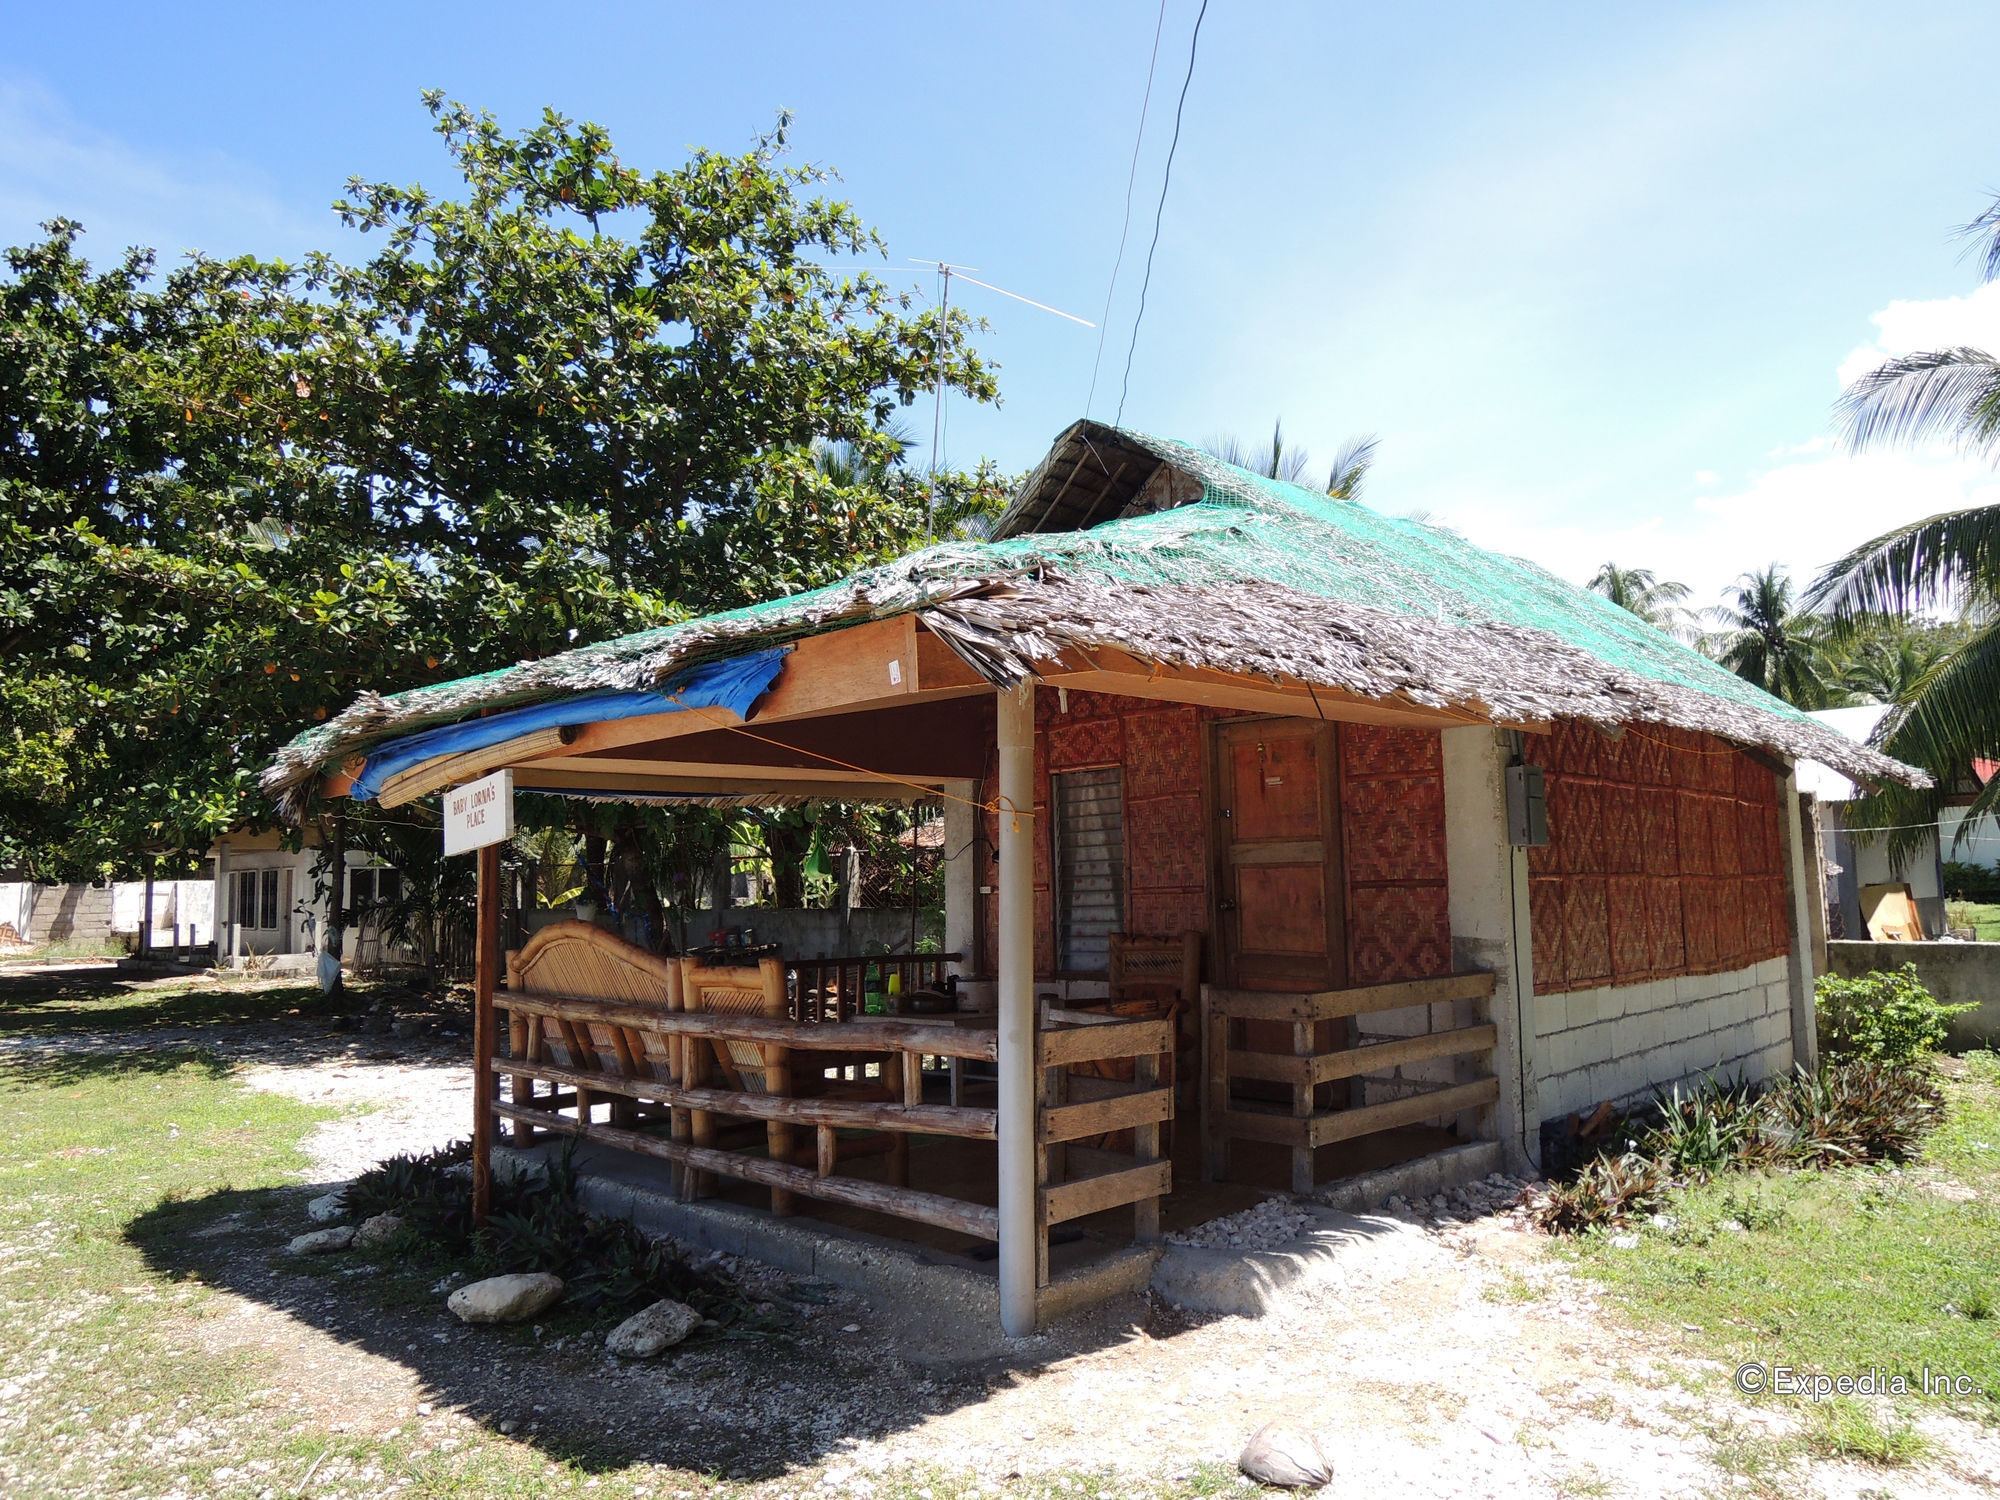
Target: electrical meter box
x,y
1527,808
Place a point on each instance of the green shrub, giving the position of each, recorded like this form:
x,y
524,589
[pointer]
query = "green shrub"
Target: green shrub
x,y
1607,1192
1882,1017
1851,1112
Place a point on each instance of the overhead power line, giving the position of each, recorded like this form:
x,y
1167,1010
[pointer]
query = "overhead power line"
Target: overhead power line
x,y
1125,228
1166,178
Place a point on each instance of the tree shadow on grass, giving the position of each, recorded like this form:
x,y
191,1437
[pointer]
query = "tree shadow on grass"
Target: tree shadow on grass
x,y
99,999
62,1069
752,1406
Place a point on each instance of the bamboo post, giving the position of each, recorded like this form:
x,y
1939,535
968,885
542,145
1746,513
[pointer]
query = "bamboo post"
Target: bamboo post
x,y
1016,950
485,970
1303,1042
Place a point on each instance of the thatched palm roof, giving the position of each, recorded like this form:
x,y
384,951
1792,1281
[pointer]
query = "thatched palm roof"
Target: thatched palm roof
x,y
1120,539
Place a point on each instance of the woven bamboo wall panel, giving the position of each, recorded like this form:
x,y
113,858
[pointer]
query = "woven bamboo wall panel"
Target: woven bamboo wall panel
x,y
1398,932
1664,858
1392,843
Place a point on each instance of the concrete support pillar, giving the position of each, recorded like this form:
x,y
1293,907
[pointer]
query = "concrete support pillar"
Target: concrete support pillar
x,y
1801,892
1016,952
1490,928
225,915
961,872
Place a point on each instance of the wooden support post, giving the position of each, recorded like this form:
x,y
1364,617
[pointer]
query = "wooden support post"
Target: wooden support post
x,y
778,1133
1015,948
1146,1148
485,972
1302,1107
695,1051
829,1150
913,1093
1215,1090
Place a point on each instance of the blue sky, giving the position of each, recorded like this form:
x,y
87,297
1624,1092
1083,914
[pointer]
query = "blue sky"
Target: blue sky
x,y
1592,274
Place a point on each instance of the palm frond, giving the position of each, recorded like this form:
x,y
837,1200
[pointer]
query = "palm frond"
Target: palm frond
x,y
1986,228
1351,463
1943,559
1943,393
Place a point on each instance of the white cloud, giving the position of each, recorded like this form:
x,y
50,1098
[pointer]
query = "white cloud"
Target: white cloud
x,y
1802,515
1707,476
1943,323
52,165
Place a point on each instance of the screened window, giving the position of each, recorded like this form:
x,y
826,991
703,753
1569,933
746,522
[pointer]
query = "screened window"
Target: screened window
x,y
270,911
360,888
1089,867
257,898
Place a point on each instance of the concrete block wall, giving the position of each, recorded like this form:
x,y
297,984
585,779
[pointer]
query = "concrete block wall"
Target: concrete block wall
x,y
1621,1042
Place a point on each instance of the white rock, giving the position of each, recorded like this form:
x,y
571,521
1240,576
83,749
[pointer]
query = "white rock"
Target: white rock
x,y
506,1299
376,1231
652,1330
322,1241
1285,1457
1624,1242
328,1207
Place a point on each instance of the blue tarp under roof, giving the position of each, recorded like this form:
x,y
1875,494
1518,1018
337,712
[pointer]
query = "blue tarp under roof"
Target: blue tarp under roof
x,y
734,684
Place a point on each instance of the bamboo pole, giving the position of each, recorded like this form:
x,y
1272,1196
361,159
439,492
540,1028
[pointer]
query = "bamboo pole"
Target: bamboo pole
x,y
486,967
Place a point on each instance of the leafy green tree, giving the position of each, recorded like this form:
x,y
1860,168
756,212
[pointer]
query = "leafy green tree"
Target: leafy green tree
x,y
1765,639
570,401
1660,602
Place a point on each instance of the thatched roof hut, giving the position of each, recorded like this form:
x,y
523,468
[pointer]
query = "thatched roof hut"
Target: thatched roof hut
x,y
1120,540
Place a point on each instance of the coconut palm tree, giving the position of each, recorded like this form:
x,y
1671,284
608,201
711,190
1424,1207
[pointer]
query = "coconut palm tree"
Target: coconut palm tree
x,y
1291,463
1767,640
1660,602
1946,563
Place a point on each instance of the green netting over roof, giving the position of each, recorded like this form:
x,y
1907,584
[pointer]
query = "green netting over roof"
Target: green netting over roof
x,y
1243,529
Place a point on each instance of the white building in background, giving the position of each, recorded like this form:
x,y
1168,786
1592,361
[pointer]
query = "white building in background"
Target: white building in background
x,y
272,904
110,913
1855,862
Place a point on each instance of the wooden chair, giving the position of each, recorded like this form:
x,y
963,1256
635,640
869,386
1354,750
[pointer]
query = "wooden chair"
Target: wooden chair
x,y
577,958
1151,979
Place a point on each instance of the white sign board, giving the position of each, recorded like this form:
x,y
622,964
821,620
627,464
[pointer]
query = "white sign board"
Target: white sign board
x,y
479,813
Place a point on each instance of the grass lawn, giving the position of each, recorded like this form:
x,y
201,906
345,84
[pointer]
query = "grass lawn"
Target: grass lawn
x,y
115,1375
1983,917
1838,1273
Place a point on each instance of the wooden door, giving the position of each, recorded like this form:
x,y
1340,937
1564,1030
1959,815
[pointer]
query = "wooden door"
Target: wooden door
x,y
1280,904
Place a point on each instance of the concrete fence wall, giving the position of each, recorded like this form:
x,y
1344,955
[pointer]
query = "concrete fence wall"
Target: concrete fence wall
x,y
85,913
1620,1042
1957,973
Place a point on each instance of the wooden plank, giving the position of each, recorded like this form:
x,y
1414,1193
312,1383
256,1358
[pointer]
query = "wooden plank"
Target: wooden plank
x,y
1089,1195
1069,1122
1280,852
974,1219
1327,1005
447,770
826,1036
852,1114
1146,1147
1095,1043
1278,1130
1345,1124
1273,1067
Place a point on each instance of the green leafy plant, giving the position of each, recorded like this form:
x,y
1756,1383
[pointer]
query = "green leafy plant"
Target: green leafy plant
x,y
1705,1131
1607,1192
1885,1017
1853,1112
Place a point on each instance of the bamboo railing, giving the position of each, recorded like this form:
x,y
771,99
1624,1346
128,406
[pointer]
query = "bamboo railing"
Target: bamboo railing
x,y
1313,1061
658,1078
662,1077
1074,1179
